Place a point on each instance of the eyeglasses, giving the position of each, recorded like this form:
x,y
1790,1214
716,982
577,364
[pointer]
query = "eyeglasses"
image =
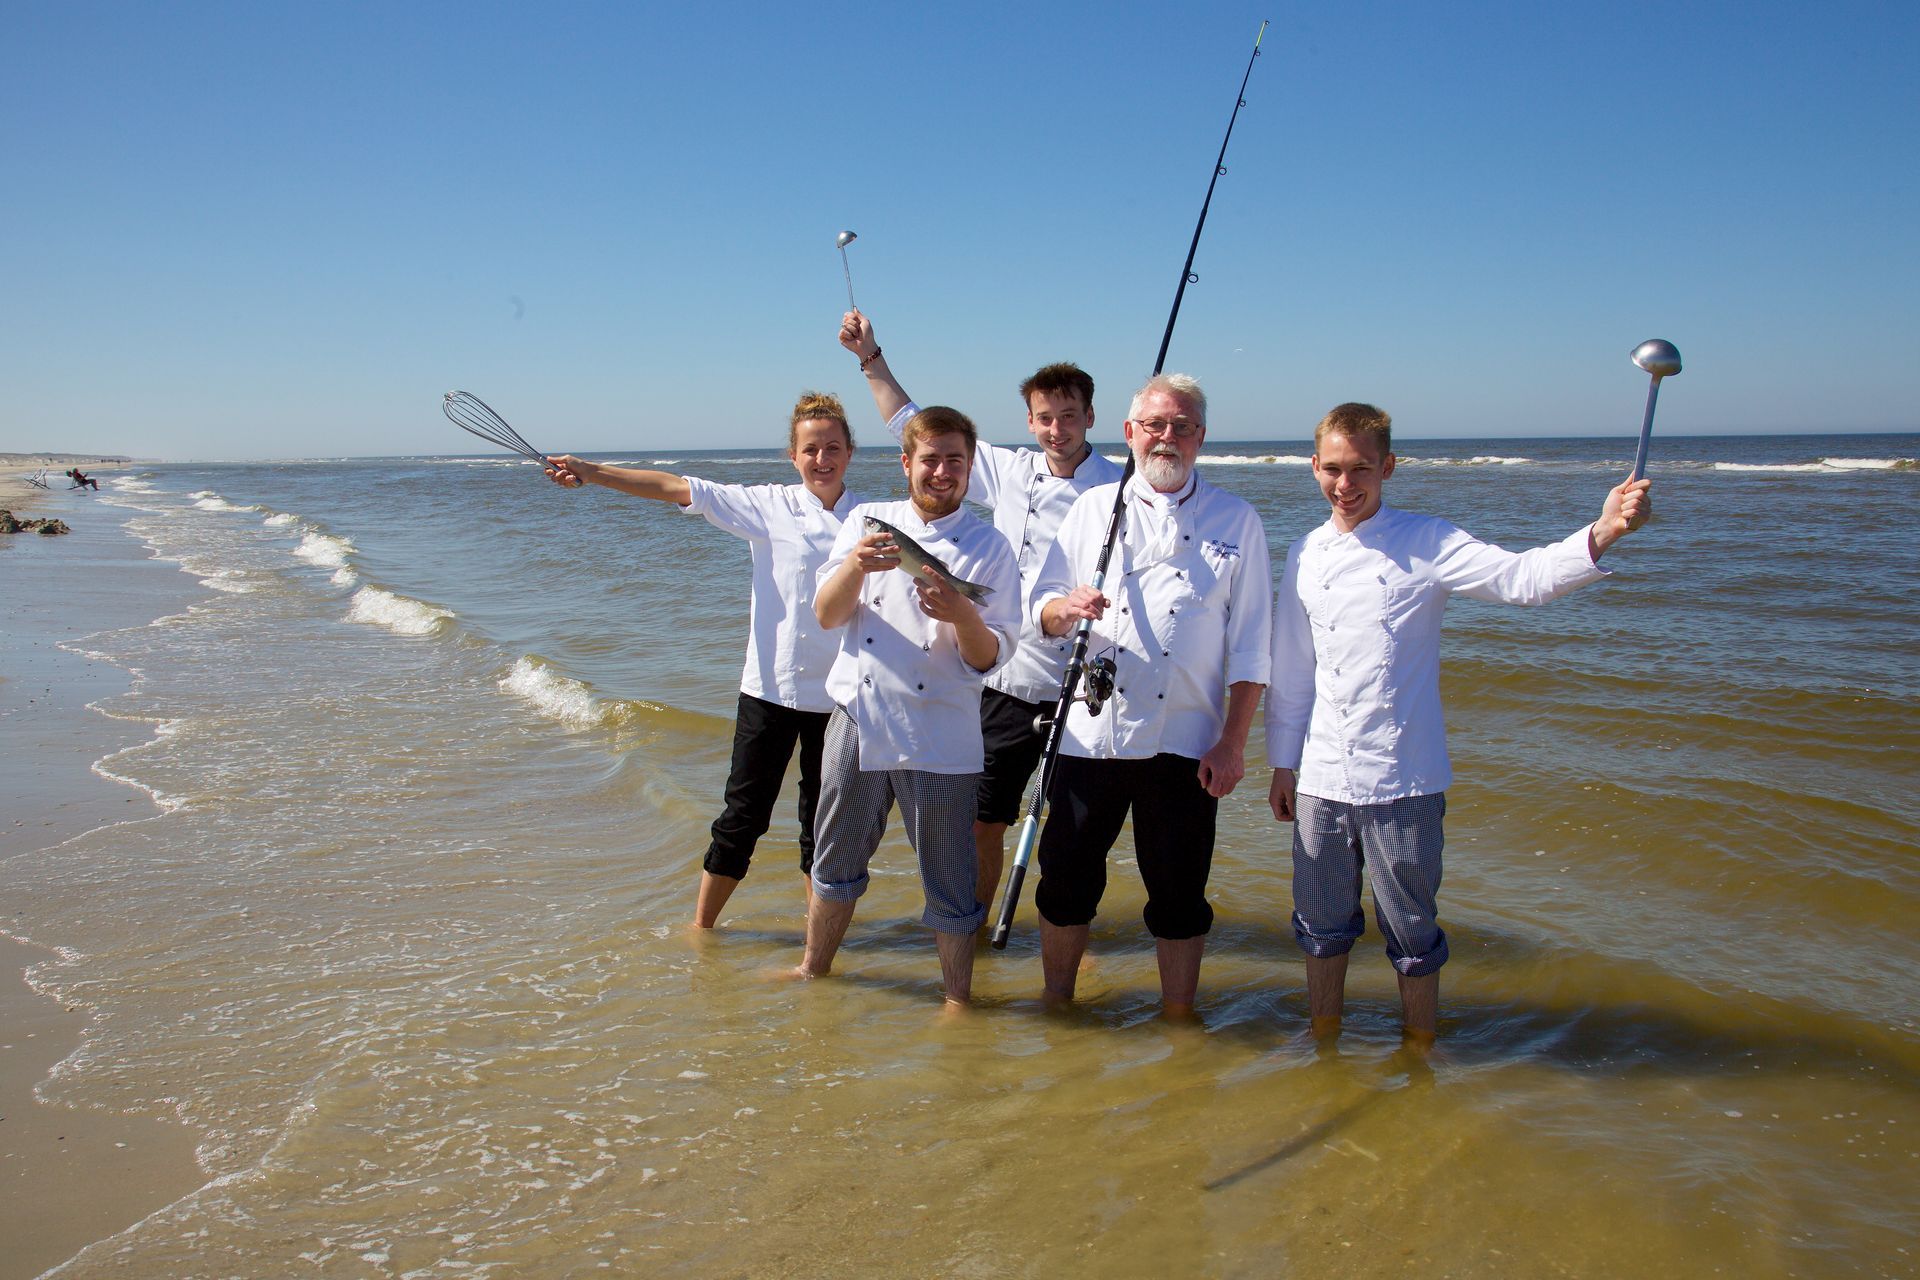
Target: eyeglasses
x,y
1180,428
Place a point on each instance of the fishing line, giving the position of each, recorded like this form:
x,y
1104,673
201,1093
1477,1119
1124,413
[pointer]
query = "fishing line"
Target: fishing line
x,y
1077,664
471,413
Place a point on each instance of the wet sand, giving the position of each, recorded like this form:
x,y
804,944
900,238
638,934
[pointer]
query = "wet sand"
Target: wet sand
x,y
67,1177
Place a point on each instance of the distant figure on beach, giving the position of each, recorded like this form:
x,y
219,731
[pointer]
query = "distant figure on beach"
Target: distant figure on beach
x,y
1029,492
82,481
1184,616
914,652
1354,726
783,689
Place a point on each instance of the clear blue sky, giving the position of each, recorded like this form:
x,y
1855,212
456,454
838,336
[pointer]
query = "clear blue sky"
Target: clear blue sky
x,y
270,230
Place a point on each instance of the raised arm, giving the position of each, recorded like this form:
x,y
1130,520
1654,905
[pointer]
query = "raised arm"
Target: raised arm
x,y
856,335
570,472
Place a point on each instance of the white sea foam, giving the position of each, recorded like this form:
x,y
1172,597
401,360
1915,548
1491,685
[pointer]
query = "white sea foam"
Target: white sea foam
x,y
1257,459
165,802
232,581
324,550
345,577
1478,460
553,695
1831,466
214,502
1872,464
280,521
401,615
128,484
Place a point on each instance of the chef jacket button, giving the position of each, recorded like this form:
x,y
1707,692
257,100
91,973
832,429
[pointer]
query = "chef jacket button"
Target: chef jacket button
x,y
1186,537
1166,653
866,679
1160,695
1123,608
920,686
869,639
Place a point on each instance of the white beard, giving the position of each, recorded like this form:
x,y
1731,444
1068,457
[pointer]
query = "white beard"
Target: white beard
x,y
1165,471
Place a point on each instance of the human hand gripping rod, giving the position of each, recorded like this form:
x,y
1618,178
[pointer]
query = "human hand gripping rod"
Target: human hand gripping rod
x,y
1077,664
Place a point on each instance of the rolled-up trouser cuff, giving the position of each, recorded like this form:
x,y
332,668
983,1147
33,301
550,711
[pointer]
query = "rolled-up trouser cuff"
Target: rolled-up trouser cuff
x,y
1421,965
943,922
1325,946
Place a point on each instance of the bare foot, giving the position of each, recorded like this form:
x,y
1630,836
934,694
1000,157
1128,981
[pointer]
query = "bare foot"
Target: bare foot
x,y
791,973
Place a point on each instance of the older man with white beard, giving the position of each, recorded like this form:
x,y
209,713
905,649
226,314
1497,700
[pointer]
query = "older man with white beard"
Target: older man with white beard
x,y
1185,619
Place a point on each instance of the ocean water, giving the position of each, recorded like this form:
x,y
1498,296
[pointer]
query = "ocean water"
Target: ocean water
x,y
432,746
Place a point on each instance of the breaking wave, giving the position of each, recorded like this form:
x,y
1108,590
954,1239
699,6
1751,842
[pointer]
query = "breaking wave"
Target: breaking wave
x,y
402,615
324,550
563,698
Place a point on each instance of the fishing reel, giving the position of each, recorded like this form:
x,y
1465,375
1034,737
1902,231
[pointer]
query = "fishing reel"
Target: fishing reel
x,y
1096,685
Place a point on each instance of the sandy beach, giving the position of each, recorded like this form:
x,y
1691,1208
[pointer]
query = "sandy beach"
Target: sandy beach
x,y
70,1176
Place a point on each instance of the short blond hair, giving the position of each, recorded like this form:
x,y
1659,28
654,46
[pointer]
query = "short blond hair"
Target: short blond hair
x,y
816,405
1356,419
938,420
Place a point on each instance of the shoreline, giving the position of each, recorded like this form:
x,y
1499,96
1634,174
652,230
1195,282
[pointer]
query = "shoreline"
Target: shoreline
x,y
16,495
72,1176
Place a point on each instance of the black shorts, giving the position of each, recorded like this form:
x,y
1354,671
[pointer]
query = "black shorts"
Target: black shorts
x,y
1013,749
1173,821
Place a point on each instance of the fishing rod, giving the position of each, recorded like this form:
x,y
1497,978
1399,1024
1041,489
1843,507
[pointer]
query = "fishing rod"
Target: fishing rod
x,y
1100,681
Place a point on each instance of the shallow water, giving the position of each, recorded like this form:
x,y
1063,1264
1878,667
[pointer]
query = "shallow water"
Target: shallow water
x,y
433,749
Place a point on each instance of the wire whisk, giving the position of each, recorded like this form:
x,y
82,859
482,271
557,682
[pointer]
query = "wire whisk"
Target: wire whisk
x,y
470,413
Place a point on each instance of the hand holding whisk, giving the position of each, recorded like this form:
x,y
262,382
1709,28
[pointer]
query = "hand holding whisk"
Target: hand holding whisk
x,y
470,413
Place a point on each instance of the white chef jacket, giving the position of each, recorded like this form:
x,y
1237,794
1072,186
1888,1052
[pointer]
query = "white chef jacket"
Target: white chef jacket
x,y
1028,503
1191,592
1355,702
788,651
899,673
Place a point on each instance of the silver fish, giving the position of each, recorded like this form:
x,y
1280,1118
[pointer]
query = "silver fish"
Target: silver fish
x,y
914,558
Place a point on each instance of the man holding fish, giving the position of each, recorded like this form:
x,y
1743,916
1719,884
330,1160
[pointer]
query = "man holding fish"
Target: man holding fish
x,y
915,648
1029,492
